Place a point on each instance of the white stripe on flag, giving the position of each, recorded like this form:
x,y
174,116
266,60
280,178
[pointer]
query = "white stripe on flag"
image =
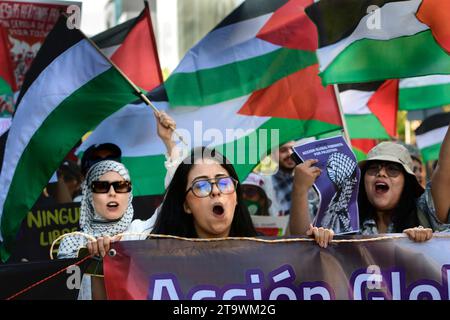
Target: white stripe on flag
x,y
424,81
431,137
197,125
109,51
397,19
229,44
355,101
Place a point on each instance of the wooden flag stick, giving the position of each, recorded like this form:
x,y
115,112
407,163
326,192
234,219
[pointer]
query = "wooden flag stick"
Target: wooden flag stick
x,y
341,113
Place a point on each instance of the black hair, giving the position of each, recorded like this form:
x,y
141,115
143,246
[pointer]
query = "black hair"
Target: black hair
x,y
405,214
173,220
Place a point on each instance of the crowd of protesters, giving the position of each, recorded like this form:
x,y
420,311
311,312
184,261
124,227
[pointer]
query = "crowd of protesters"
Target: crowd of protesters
x,y
205,199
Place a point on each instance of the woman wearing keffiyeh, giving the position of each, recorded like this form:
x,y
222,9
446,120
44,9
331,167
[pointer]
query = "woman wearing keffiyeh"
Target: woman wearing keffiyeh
x,y
106,208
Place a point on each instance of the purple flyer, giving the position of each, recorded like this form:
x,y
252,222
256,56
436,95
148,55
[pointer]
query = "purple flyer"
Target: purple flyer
x,y
337,185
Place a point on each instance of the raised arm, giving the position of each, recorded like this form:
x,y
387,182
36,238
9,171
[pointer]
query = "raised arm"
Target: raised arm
x,y
304,176
440,181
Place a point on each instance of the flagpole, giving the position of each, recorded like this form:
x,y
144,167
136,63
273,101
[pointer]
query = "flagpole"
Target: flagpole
x,y
135,88
341,113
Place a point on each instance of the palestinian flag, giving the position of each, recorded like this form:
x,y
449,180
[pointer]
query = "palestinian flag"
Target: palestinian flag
x,y
250,84
132,47
424,92
430,134
370,109
403,38
68,90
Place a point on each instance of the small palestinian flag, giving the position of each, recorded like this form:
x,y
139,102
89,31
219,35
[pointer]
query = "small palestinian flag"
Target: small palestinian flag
x,y
132,47
430,134
370,109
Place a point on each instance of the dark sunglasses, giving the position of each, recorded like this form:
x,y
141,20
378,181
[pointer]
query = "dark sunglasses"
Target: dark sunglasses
x,y
203,188
392,169
104,186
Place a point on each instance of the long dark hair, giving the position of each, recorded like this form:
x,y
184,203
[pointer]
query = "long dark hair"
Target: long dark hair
x,y
173,220
405,214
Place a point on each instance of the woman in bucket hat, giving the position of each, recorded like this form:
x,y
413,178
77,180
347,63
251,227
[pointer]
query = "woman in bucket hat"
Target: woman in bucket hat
x,y
387,199
388,194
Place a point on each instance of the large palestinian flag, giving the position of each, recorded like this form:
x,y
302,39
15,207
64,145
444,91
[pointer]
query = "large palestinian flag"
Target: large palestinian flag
x,y
424,92
404,38
68,90
430,134
132,47
370,109
249,84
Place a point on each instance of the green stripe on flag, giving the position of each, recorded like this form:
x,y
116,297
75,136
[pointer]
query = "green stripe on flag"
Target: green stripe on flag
x,y
431,152
210,86
292,129
423,97
4,87
60,131
360,155
369,60
143,183
365,126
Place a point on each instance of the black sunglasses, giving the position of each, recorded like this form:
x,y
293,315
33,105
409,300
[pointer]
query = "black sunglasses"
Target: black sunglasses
x,y
104,186
392,169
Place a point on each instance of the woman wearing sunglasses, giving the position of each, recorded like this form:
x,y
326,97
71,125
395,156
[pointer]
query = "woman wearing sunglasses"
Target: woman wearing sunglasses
x,y
106,211
106,208
388,195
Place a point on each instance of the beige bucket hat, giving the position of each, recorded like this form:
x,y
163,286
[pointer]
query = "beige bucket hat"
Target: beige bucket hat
x,y
393,152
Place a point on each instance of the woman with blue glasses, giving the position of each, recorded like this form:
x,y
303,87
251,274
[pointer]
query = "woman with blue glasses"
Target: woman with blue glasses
x,y
204,200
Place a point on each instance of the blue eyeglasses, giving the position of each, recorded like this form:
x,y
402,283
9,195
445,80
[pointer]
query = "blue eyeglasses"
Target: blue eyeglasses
x,y
203,188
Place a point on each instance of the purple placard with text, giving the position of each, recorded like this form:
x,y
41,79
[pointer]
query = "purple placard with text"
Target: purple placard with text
x,y
337,185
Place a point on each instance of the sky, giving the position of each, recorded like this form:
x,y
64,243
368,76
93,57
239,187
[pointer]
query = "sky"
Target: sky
x,y
93,16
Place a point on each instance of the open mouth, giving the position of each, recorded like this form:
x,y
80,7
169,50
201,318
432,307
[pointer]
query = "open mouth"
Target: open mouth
x,y
381,187
218,209
112,204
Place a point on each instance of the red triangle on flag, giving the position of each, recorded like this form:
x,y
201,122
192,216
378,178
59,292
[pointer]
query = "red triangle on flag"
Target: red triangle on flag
x,y
384,105
137,56
436,14
290,27
297,96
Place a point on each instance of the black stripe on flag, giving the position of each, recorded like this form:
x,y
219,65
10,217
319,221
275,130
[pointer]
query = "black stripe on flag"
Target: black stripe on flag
x,y
156,95
116,35
57,41
366,86
251,9
337,19
433,122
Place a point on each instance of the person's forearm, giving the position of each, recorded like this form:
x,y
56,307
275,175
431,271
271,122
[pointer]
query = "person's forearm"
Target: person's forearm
x,y
440,181
299,220
170,147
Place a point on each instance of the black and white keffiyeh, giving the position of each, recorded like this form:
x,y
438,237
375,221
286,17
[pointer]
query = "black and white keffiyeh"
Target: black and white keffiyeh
x,y
341,170
91,222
